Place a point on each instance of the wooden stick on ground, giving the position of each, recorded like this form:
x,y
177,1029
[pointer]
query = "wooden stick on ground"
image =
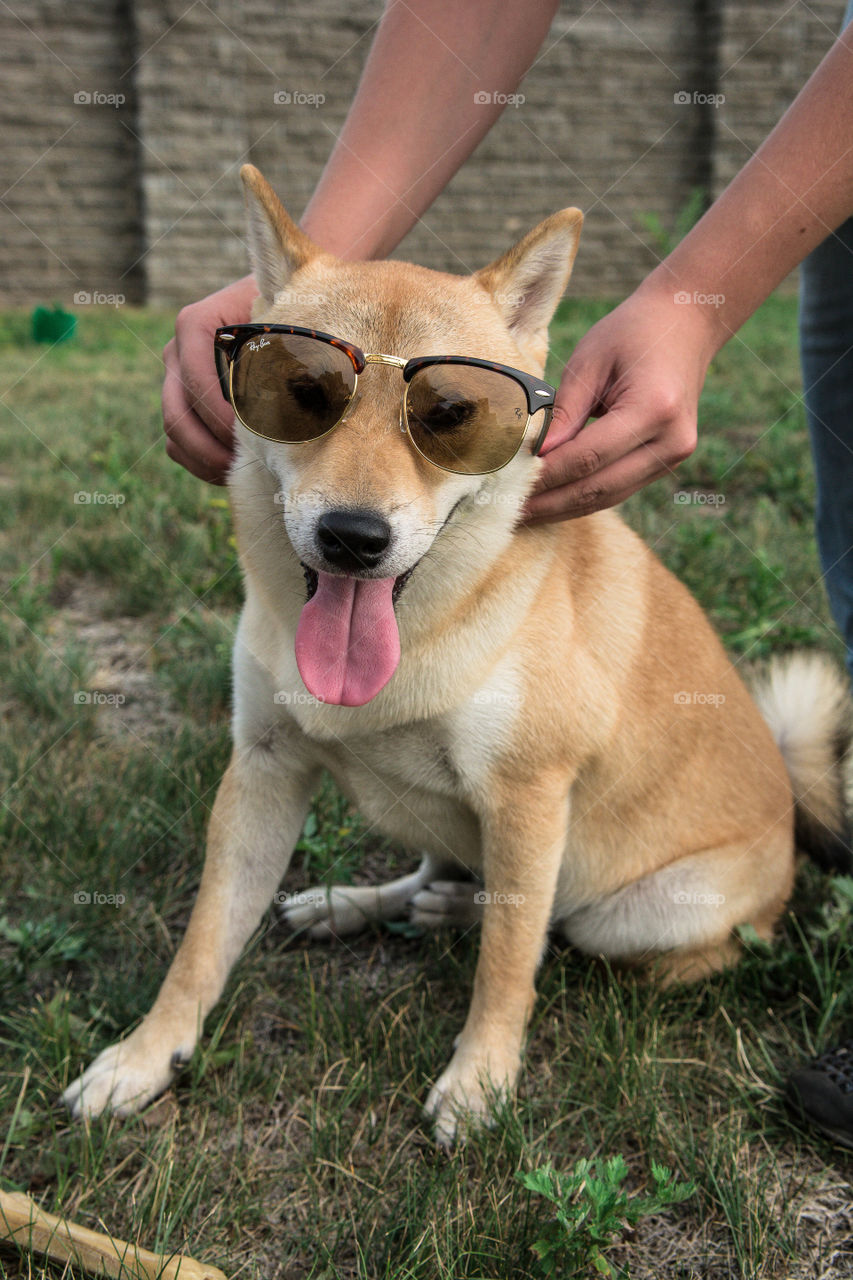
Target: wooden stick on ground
x,y
30,1227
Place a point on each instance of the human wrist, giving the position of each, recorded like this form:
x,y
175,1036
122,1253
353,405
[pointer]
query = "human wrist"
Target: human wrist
x,y
692,307
366,230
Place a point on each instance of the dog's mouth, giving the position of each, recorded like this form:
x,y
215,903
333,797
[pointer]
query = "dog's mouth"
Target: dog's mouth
x,y
312,578
347,641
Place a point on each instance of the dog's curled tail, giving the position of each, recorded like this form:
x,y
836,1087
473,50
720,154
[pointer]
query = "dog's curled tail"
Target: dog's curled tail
x,y
806,702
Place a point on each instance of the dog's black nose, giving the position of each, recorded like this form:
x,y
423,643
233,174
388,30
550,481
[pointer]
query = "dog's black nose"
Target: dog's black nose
x,y
353,540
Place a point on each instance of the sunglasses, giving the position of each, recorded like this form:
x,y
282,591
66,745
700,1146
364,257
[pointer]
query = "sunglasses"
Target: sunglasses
x,y
295,385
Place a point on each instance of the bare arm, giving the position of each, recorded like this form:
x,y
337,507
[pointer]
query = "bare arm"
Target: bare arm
x,y
641,369
416,118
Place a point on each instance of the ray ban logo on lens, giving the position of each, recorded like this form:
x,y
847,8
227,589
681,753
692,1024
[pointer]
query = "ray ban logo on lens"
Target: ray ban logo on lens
x,y
256,345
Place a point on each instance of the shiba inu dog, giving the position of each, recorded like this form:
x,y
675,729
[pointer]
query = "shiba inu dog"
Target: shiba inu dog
x,y
545,706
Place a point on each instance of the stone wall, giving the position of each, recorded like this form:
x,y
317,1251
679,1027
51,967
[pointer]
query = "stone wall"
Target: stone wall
x,y
124,123
70,209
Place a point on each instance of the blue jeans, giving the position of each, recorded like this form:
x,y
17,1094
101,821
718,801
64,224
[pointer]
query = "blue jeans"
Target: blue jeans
x,y
826,353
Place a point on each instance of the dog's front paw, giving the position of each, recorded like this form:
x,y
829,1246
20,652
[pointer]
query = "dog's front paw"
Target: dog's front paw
x,y
124,1078
467,1092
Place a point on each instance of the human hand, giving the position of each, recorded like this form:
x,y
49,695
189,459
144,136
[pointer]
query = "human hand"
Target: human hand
x,y
638,372
197,420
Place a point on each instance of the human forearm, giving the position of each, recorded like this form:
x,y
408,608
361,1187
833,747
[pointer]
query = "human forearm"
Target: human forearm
x,y
415,118
639,371
796,189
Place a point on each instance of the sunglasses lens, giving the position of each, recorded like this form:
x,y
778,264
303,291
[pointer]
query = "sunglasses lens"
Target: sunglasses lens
x,y
465,419
289,387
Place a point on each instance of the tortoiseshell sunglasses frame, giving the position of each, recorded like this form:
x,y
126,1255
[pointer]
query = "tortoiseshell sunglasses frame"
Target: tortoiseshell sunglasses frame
x,y
540,395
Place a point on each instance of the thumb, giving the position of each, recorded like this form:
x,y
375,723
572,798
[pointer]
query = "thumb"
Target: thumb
x,y
578,397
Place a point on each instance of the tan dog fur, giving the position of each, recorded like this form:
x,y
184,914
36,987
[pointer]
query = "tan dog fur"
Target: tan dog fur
x,y
533,731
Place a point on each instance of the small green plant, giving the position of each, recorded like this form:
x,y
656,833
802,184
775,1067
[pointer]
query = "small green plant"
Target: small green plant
x,y
37,945
591,1211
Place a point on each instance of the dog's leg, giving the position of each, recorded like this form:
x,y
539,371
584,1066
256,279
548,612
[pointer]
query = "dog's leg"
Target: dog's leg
x,y
523,845
680,921
256,820
341,910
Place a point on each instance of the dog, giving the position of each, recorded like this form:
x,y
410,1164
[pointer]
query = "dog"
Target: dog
x,y
545,706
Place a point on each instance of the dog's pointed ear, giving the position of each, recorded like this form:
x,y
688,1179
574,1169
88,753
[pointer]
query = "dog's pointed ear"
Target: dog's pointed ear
x,y
528,280
277,247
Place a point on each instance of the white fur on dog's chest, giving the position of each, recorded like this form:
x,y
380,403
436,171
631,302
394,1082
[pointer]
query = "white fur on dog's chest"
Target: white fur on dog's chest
x,y
452,755
404,784
423,783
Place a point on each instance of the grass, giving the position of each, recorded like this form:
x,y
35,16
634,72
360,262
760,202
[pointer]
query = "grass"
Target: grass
x,y
293,1146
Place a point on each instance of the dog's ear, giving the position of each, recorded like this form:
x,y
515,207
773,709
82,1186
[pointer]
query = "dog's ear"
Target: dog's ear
x,y
528,281
277,247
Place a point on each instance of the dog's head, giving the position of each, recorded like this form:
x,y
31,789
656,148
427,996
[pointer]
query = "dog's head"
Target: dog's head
x,y
362,507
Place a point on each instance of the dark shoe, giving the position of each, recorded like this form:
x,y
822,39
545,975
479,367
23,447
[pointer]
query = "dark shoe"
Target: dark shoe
x,y
822,1093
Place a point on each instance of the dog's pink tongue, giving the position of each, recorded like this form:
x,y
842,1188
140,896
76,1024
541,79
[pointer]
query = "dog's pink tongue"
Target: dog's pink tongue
x,y
347,642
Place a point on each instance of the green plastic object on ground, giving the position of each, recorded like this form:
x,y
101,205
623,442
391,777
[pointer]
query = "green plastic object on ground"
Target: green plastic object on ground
x,y
53,325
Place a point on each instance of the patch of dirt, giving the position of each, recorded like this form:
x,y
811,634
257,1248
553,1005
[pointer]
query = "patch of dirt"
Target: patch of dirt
x,y
821,1218
129,702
